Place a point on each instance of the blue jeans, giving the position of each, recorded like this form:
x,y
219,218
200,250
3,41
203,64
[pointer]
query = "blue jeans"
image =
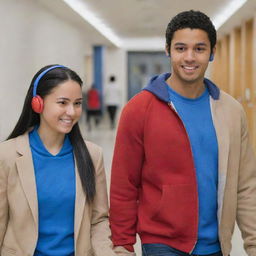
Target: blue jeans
x,y
165,250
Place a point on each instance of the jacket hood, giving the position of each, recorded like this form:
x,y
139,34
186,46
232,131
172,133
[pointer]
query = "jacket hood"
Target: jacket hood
x,y
158,86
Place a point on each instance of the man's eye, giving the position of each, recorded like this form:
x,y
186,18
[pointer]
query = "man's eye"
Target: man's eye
x,y
200,49
78,103
180,49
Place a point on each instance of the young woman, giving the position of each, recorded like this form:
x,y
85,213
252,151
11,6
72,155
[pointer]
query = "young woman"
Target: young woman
x,y
53,198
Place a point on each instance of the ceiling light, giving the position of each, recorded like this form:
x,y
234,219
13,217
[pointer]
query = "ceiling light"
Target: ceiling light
x,y
227,12
82,9
144,44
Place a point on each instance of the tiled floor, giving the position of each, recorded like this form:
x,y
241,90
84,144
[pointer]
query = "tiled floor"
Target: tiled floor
x,y
105,137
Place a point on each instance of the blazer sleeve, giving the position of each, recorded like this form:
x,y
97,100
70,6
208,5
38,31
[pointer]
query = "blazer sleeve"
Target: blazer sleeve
x,y
100,231
3,203
246,202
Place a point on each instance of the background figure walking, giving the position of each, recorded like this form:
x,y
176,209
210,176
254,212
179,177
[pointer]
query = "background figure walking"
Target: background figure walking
x,y
112,99
92,106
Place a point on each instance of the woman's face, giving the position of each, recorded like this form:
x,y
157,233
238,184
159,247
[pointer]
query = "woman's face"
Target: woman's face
x,y
62,108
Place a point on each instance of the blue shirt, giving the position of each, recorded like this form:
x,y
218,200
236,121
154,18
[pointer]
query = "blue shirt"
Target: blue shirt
x,y
55,182
197,119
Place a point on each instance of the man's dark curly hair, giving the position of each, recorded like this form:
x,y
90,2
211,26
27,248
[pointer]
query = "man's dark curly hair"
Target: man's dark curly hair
x,y
190,19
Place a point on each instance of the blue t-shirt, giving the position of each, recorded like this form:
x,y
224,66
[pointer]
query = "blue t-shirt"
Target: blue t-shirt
x,y
55,182
197,119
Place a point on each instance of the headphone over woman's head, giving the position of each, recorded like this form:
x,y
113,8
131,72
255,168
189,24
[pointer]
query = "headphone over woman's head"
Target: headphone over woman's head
x,y
37,102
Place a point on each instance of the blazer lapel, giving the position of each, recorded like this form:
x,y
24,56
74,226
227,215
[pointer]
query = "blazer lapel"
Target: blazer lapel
x,y
222,133
26,173
79,205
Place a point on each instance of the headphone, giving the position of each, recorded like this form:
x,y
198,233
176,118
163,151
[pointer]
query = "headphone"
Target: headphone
x,y
37,102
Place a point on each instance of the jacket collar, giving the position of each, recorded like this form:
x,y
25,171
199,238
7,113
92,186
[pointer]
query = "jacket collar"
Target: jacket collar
x,y
22,143
158,86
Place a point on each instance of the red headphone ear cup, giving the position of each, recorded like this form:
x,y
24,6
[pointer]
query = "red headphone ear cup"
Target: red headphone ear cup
x,y
37,104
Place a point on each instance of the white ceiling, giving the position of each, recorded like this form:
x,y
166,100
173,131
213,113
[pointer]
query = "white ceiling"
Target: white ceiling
x,y
143,22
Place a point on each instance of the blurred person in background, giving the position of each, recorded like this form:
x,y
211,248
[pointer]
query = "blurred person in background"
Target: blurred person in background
x,y
93,106
53,196
112,97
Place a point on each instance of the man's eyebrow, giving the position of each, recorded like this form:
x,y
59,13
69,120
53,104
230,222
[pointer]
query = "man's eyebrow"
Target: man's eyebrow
x,y
182,44
179,43
202,44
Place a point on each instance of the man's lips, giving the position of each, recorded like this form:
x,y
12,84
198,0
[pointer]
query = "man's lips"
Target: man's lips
x,y
189,67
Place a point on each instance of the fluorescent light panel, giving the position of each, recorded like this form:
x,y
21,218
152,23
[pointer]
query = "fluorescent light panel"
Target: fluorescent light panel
x,y
227,12
82,9
145,44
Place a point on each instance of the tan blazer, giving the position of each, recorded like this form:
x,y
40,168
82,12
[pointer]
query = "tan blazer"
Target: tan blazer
x,y
19,206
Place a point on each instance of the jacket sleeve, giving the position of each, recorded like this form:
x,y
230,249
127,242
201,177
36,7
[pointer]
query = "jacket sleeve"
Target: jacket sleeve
x,y
100,231
3,203
246,202
125,176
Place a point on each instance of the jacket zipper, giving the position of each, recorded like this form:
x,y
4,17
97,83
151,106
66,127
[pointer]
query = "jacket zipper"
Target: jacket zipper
x,y
170,104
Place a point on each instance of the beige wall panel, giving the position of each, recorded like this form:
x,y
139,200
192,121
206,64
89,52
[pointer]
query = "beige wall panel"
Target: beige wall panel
x,y
220,67
253,135
234,69
225,64
246,72
216,65
235,64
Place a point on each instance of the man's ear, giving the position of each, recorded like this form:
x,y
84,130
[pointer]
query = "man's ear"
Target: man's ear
x,y
212,54
167,51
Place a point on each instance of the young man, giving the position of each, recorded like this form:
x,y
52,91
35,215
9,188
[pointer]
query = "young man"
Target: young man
x,y
183,170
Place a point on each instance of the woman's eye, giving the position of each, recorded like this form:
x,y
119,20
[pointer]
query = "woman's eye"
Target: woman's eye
x,y
78,103
61,102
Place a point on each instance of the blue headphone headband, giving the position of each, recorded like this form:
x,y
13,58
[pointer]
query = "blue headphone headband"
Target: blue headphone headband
x,y
41,75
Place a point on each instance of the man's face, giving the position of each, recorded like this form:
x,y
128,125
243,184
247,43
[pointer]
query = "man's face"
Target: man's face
x,y
190,52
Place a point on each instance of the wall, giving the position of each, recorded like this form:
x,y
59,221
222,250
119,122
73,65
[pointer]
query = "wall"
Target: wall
x,y
32,37
115,63
234,68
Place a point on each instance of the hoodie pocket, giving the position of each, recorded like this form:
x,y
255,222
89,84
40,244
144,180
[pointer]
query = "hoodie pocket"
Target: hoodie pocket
x,y
177,210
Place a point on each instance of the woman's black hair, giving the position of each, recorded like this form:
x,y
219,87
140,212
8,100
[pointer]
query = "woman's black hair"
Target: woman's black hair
x,y
29,118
